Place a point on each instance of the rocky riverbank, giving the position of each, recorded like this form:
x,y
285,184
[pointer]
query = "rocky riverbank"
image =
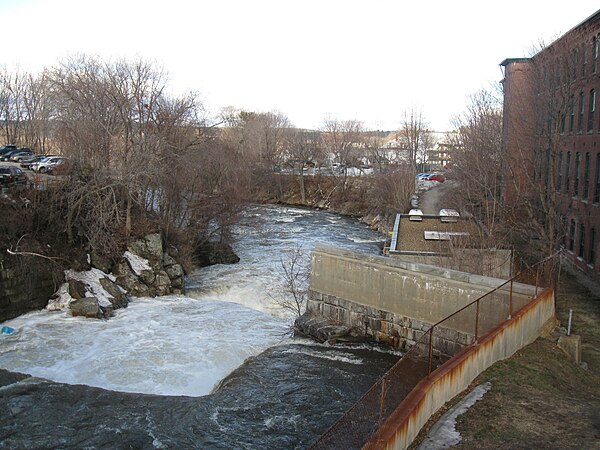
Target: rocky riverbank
x,y
324,193
144,270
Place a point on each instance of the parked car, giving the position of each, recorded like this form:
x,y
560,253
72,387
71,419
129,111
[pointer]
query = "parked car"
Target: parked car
x,y
6,156
7,148
47,164
436,177
27,162
423,176
21,154
11,176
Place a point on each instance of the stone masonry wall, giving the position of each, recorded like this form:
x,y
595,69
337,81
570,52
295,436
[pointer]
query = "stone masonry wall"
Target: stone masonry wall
x,y
26,284
383,326
395,301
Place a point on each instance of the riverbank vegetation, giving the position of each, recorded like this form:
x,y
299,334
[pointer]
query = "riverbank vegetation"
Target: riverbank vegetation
x,y
143,160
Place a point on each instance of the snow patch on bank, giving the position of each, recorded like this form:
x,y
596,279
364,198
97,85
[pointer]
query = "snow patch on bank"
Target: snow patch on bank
x,y
443,434
137,263
91,278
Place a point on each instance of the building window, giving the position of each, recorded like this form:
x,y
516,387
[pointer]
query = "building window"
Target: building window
x,y
563,232
568,174
586,176
572,236
571,113
597,187
584,63
591,111
577,167
595,55
580,117
559,176
575,61
592,258
580,250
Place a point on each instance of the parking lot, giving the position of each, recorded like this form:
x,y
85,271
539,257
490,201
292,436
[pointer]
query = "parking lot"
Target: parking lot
x,y
37,180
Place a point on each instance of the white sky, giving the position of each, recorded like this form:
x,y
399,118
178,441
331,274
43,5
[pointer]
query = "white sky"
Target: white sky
x,y
368,60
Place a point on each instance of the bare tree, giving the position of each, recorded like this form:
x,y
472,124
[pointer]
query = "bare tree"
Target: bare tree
x,y
303,149
375,150
414,134
342,138
392,190
478,158
295,272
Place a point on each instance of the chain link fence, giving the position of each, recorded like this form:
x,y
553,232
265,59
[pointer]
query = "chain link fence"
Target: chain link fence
x,y
437,345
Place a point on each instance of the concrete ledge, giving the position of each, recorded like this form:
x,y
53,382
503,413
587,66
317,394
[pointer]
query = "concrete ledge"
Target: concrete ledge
x,y
464,277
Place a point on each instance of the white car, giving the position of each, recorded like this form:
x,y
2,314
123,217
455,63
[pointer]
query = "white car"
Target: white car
x,y
47,164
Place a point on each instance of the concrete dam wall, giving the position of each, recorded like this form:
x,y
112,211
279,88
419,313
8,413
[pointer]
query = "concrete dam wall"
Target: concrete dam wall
x,y
394,301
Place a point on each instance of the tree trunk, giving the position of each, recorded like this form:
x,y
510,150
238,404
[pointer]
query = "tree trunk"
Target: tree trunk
x,y
302,190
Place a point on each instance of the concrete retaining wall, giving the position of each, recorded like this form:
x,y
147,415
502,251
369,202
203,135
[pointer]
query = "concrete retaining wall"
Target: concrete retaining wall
x,y
396,301
488,262
455,376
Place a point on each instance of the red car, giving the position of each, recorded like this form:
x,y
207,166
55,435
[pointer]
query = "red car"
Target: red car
x,y
436,177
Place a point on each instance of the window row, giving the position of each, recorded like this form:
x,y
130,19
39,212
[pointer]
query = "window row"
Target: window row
x,y
581,62
577,233
584,121
574,176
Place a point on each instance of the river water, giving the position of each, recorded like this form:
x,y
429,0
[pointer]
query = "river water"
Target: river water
x,y
214,369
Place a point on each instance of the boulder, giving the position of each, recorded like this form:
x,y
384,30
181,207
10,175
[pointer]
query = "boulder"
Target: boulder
x,y
154,247
168,260
323,330
122,268
138,247
147,276
118,298
77,289
210,253
162,283
177,283
89,307
132,284
174,271
101,262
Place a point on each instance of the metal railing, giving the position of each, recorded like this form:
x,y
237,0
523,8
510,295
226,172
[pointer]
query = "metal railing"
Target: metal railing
x,y
432,348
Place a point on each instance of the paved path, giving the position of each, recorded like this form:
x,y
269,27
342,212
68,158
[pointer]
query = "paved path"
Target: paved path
x,y
430,200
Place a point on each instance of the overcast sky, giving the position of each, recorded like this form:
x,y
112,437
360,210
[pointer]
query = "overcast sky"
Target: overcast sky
x,y
368,60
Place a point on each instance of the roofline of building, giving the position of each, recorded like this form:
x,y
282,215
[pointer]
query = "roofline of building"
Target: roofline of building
x,y
591,18
594,16
514,60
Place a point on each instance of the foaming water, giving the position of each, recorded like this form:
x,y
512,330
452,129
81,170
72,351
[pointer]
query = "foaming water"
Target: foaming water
x,y
178,345
168,345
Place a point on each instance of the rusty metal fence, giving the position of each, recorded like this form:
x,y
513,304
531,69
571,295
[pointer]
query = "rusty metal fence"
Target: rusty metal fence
x,y
434,347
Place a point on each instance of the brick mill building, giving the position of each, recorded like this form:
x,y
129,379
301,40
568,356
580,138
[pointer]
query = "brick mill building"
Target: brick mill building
x,y
551,135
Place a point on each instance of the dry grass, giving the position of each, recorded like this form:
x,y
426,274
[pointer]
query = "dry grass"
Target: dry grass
x,y
540,398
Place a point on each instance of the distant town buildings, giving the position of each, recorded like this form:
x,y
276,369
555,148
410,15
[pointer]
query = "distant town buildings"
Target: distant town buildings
x,y
551,133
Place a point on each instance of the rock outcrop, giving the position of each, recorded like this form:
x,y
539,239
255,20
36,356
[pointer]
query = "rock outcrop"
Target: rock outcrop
x,y
89,307
146,270
210,253
323,330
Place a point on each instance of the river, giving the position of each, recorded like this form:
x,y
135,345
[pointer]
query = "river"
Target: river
x,y
214,369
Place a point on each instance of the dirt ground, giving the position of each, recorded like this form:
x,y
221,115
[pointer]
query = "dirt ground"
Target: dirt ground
x,y
541,399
